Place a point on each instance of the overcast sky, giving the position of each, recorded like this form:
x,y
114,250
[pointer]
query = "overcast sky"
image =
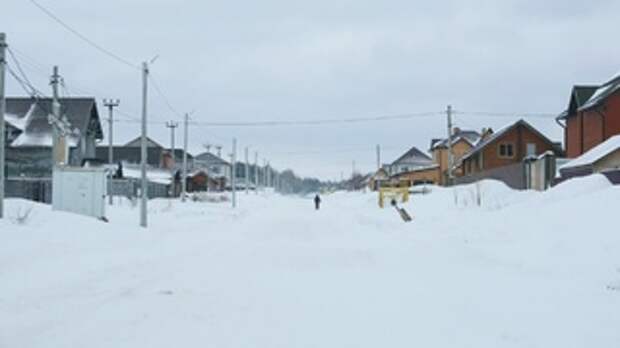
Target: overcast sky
x,y
237,61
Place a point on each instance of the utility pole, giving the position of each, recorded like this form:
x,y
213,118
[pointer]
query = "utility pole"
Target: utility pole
x,y
172,125
353,169
111,104
256,172
450,154
143,153
233,175
185,140
2,111
378,156
59,126
247,171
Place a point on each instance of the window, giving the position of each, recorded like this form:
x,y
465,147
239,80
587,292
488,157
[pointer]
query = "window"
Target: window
x,y
531,149
506,150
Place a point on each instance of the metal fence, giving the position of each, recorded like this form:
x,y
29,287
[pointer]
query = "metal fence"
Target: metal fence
x,y
131,187
40,189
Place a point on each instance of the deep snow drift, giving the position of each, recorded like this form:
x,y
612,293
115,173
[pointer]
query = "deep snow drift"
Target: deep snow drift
x,y
524,269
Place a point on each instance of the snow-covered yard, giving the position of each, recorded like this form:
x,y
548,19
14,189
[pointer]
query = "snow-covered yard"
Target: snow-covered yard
x,y
526,269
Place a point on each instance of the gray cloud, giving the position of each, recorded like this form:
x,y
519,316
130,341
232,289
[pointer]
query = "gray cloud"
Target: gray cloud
x,y
284,60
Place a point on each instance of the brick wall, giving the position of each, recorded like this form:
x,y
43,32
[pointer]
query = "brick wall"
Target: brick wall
x,y
519,137
592,129
612,115
572,136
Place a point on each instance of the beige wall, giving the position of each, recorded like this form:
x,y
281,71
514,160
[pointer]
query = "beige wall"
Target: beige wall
x,y
608,162
441,157
426,175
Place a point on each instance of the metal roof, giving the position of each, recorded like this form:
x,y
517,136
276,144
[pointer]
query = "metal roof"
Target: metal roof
x,y
30,116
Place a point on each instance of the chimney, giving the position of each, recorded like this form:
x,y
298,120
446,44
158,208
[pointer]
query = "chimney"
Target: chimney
x,y
456,130
485,132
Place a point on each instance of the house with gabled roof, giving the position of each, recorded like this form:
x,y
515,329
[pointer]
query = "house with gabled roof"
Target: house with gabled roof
x,y
414,167
462,141
29,133
157,155
509,145
592,116
215,166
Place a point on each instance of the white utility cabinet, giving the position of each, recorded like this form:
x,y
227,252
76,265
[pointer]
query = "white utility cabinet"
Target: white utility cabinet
x,y
79,190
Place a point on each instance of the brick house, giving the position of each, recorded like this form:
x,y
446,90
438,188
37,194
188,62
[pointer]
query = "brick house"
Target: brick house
x,y
507,146
462,142
593,116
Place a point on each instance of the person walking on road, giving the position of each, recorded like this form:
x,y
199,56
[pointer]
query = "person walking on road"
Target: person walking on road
x,y
317,202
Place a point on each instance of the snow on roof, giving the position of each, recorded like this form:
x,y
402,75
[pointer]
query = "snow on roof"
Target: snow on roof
x,y
20,122
595,154
153,175
603,92
469,136
40,139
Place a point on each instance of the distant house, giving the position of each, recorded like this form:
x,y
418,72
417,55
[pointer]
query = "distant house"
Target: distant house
x,y
462,142
507,146
214,166
415,167
601,158
157,155
380,177
592,116
412,159
29,133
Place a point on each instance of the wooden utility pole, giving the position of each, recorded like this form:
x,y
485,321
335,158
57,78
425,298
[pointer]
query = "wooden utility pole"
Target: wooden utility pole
x,y
110,104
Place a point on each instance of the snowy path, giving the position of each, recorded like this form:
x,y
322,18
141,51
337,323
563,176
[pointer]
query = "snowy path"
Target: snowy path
x,y
275,273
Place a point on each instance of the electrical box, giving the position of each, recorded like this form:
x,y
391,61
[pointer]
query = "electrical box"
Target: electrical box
x,y
79,190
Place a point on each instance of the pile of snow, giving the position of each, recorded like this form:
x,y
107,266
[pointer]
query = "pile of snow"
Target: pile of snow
x,y
522,269
595,154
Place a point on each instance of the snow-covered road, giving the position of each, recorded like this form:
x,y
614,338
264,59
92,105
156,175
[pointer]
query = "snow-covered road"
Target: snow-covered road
x,y
525,270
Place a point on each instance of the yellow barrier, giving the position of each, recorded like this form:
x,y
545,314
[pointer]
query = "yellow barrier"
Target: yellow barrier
x,y
393,193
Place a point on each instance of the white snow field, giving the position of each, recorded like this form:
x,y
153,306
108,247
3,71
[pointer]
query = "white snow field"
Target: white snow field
x,y
526,269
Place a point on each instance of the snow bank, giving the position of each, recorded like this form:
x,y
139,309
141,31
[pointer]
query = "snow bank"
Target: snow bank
x,y
522,269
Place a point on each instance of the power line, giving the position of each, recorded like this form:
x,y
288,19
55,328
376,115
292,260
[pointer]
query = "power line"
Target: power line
x,y
83,37
315,122
163,96
506,114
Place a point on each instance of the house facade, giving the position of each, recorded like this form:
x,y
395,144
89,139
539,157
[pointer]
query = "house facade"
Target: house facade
x,y
414,167
213,165
593,116
157,155
510,145
29,134
462,142
604,157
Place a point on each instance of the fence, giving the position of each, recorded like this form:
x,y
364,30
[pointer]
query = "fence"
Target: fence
x,y
34,189
512,175
40,189
130,188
